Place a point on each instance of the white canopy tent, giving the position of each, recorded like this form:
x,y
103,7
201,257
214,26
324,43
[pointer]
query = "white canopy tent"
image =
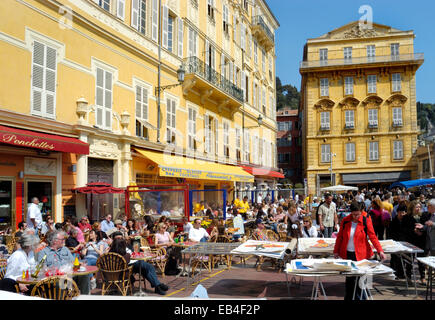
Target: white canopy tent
x,y
339,188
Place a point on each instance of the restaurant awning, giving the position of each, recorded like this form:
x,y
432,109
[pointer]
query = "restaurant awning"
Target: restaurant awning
x,y
43,141
263,172
375,177
181,167
413,183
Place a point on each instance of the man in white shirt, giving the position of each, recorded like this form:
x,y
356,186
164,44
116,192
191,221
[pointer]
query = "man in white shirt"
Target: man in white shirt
x,y
107,223
198,234
34,216
259,198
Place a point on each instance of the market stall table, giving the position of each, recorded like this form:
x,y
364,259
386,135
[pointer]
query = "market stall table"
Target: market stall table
x,y
410,257
320,268
430,262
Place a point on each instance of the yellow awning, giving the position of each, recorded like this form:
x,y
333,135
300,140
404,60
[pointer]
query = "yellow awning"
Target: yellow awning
x,y
181,167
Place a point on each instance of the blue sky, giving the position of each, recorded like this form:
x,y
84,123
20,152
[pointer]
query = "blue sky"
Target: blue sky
x,y
303,19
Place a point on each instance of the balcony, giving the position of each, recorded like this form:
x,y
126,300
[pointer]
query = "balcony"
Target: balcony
x,y
261,31
403,59
211,85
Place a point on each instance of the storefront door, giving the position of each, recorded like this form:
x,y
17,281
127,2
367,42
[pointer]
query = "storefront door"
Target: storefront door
x,y
99,205
43,190
6,203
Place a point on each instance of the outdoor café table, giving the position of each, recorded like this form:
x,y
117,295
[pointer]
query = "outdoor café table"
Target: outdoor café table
x,y
144,257
209,248
184,245
430,262
88,270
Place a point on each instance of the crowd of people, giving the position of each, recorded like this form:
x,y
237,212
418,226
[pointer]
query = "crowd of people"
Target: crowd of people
x,y
382,214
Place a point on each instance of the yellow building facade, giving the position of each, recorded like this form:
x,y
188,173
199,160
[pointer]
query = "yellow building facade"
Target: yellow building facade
x,y
359,106
91,70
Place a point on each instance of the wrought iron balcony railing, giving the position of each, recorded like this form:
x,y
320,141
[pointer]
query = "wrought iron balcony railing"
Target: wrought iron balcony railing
x,y
412,57
194,65
259,21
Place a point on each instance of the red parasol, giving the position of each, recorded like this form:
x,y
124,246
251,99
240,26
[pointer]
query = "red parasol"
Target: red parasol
x,y
98,188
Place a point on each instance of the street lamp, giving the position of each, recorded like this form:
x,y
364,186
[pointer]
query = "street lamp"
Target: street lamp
x,y
332,155
259,122
180,76
428,153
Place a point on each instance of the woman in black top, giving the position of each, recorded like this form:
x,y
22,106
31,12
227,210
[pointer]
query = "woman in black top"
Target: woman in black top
x,y
401,229
119,246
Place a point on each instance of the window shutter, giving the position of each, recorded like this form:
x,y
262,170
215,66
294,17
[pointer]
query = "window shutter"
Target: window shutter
x,y
154,20
43,80
135,14
207,52
50,82
234,28
243,37
138,102
222,65
231,72
191,43
243,84
120,10
37,77
165,18
216,136
254,95
180,37
206,133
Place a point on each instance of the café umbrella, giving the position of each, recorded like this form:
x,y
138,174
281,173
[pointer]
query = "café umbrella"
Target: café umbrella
x,y
97,188
339,188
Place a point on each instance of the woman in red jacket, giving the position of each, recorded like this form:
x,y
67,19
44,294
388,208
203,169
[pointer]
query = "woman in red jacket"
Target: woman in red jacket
x,y
352,242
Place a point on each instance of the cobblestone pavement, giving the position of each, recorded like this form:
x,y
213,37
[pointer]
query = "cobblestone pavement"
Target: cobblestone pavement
x,y
243,281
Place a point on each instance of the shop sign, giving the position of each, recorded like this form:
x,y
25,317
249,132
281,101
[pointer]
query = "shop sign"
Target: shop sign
x,y
201,175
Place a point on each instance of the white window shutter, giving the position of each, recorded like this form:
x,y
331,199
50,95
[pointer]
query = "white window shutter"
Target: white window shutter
x,y
206,133
138,102
243,37
234,28
37,77
135,14
180,37
243,84
191,43
216,127
165,18
213,57
44,65
50,82
154,20
120,10
207,52
231,72
223,64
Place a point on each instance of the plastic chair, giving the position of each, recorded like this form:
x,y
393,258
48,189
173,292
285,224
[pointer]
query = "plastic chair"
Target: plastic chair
x,y
56,288
115,273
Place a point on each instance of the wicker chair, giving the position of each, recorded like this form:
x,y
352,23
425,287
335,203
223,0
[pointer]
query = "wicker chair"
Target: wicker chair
x,y
226,258
115,273
160,259
206,261
272,236
56,288
2,268
12,245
